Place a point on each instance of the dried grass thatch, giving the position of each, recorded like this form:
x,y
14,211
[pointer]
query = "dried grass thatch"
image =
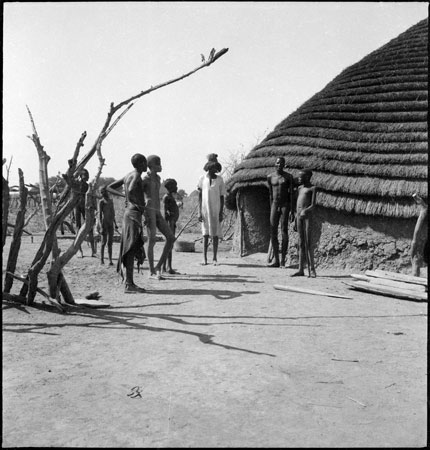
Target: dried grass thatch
x,y
365,134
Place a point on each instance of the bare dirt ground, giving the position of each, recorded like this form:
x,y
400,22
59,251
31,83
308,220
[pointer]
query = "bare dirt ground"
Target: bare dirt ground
x,y
214,357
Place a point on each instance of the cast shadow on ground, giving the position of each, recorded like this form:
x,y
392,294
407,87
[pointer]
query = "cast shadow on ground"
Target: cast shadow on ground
x,y
208,277
115,320
219,294
245,265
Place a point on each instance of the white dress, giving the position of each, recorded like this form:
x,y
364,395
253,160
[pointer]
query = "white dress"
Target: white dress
x,y
212,190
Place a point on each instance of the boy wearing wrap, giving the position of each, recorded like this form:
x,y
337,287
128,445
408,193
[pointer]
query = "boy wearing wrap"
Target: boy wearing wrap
x,y
131,246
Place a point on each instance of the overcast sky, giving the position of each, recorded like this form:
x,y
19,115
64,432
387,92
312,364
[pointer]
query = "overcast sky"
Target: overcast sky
x,y
69,61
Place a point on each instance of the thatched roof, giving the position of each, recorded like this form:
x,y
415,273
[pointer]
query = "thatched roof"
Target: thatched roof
x,y
364,135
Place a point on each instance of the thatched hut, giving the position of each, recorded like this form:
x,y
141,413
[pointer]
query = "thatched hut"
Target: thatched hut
x,y
365,138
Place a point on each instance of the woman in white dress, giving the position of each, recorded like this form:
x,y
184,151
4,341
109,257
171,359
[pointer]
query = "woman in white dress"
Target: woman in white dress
x,y
212,191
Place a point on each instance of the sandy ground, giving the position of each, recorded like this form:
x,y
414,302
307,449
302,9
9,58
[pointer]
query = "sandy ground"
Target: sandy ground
x,y
214,357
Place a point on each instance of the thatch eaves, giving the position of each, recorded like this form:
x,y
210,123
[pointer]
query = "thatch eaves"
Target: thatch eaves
x,y
365,135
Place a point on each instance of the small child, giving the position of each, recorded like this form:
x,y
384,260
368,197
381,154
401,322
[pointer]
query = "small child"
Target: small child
x,y
306,195
171,214
106,224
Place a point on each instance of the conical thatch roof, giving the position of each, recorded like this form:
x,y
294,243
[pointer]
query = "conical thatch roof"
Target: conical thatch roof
x,y
364,135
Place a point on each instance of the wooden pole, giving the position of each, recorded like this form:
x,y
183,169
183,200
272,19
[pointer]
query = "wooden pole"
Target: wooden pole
x,y
307,291
396,276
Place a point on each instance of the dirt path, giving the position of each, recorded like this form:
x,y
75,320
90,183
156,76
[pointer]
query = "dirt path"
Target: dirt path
x,y
215,357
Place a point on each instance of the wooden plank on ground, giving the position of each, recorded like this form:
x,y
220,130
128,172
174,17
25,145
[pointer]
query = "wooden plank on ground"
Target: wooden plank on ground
x,y
396,276
391,283
91,303
385,290
307,291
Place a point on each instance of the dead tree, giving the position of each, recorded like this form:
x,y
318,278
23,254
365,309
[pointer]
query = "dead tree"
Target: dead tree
x,y
69,197
5,204
17,234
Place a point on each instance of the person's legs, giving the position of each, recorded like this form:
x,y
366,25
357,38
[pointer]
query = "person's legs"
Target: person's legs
x,y
205,249
167,266
109,244
92,242
130,287
103,245
152,233
309,249
215,241
285,212
164,228
274,222
301,242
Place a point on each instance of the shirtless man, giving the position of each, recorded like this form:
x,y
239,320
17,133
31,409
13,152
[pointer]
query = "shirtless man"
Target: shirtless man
x,y
106,224
153,217
131,246
305,203
281,202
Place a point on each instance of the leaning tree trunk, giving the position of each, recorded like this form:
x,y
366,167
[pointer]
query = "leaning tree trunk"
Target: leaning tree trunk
x,y
5,209
17,234
55,276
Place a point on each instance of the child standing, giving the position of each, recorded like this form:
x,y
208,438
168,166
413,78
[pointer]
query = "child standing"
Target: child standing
x,y
171,215
106,224
211,204
306,195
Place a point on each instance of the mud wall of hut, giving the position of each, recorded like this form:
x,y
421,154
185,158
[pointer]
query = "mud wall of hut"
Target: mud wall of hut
x,y
252,232
341,240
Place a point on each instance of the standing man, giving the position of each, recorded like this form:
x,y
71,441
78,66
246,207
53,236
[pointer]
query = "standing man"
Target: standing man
x,y
131,246
281,208
154,219
106,224
212,192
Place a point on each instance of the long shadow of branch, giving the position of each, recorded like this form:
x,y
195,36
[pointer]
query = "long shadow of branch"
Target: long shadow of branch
x,y
218,293
108,320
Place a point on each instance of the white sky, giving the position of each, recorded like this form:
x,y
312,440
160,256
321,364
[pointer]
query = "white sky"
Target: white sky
x,y
69,61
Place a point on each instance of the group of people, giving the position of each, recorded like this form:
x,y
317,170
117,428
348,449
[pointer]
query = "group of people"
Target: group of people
x,y
143,207
291,202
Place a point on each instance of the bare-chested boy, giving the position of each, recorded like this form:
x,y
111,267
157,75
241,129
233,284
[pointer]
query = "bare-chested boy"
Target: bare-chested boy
x,y
171,214
305,203
131,246
79,212
153,217
281,203
106,224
